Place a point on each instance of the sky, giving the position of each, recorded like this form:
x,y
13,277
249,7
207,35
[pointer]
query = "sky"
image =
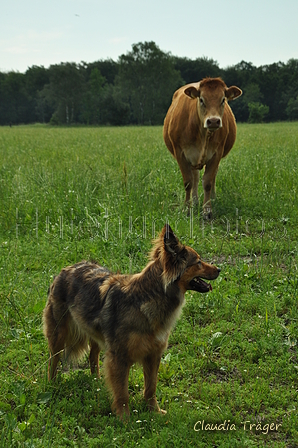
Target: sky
x,y
39,32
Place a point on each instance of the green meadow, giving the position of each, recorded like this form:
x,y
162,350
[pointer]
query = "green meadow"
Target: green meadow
x,y
230,375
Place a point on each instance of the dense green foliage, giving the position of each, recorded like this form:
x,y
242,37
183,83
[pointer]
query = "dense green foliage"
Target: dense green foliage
x,y
77,193
137,89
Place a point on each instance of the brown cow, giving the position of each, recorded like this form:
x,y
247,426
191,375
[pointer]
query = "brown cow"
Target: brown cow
x,y
200,129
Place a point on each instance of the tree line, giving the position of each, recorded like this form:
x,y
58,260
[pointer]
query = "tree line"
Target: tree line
x,y
138,88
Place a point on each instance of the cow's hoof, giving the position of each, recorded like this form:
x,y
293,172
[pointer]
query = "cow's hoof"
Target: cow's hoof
x,y
207,214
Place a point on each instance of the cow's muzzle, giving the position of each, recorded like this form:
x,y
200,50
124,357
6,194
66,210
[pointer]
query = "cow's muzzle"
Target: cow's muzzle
x,y
213,123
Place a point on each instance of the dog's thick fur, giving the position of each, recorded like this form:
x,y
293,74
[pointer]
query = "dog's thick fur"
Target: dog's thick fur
x,y
130,316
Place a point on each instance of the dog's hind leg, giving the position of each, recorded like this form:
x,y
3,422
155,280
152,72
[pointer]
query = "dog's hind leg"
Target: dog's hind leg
x,y
93,357
56,346
56,334
116,372
150,368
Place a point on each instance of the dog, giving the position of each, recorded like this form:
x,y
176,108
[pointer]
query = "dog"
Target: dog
x,y
129,316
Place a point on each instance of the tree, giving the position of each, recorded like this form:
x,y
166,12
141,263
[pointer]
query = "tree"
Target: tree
x,y
65,90
292,109
93,98
257,112
115,110
36,78
108,68
138,89
271,84
15,102
147,80
251,94
195,70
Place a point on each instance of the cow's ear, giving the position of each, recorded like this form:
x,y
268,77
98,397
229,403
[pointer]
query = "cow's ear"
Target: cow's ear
x,y
233,92
192,92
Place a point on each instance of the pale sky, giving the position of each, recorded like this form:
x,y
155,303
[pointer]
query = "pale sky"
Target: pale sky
x,y
39,32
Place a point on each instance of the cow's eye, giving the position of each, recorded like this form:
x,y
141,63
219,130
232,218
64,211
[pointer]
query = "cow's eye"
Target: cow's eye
x,y
223,101
202,102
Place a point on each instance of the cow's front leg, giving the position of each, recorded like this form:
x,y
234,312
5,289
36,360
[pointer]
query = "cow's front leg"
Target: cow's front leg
x,y
187,174
213,186
209,187
196,178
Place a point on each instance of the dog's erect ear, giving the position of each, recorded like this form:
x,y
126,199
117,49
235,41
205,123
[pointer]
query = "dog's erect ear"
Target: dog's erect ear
x,y
173,256
171,242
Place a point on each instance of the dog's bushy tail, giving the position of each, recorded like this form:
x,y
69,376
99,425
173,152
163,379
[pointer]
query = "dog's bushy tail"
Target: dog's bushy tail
x,y
76,344
60,328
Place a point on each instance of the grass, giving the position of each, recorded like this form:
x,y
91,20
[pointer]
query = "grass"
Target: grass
x,y
230,375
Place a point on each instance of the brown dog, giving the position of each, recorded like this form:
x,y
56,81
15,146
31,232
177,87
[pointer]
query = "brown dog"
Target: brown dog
x,y
130,316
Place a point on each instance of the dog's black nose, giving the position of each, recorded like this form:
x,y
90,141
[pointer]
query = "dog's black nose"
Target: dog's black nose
x,y
218,270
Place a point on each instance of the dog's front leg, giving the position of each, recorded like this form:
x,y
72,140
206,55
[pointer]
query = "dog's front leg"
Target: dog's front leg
x,y
117,372
150,367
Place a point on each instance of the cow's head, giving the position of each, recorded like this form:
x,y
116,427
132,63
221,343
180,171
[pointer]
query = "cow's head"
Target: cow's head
x,y
211,95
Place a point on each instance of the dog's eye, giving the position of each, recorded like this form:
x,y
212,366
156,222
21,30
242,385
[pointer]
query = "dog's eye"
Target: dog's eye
x,y
199,262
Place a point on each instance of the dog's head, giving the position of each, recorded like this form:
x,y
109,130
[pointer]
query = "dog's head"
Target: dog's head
x,y
182,263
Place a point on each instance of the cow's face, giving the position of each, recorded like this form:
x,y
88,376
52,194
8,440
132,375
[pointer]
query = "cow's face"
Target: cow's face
x,y
211,96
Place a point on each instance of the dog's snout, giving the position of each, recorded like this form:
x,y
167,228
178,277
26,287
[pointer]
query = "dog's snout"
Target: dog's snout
x,y
218,270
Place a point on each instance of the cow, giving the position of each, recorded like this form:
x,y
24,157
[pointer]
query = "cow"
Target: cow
x,y
200,129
